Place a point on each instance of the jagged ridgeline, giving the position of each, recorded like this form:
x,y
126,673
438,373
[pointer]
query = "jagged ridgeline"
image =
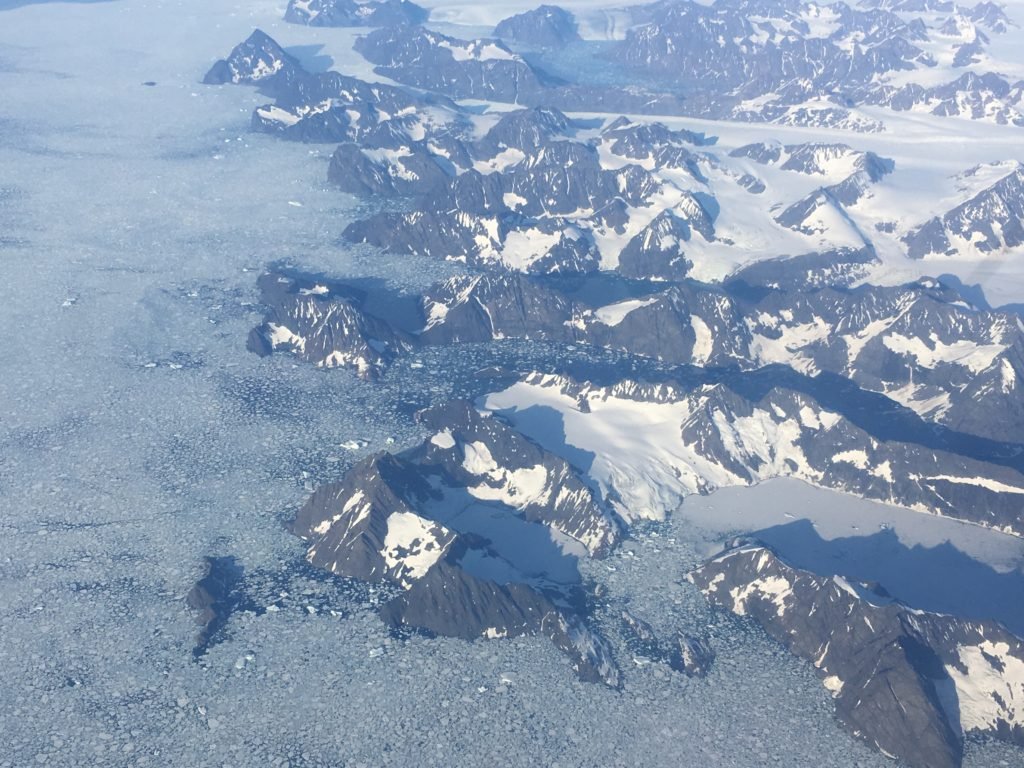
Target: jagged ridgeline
x,y
910,682
535,191
798,63
479,527
923,345
745,282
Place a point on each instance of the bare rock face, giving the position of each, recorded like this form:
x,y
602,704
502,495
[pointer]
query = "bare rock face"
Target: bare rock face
x,y
990,221
326,325
257,61
692,655
542,28
494,461
911,683
432,522
687,654
451,602
213,598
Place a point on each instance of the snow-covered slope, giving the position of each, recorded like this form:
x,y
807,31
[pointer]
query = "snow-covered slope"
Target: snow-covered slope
x,y
655,444
326,326
354,13
478,527
536,191
803,60
730,270
912,683
991,221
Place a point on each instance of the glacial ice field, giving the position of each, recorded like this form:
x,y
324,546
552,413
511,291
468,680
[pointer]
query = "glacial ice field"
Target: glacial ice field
x,y
137,436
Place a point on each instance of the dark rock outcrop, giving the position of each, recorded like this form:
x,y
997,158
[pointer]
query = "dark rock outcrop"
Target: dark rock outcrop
x,y
909,682
542,28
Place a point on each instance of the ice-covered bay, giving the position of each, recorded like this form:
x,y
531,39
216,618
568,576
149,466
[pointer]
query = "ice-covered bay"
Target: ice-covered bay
x,y
932,563
138,437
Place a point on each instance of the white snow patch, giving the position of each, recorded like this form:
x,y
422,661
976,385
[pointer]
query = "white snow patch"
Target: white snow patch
x,y
833,684
975,357
774,588
858,459
978,687
500,162
412,545
981,482
443,439
613,314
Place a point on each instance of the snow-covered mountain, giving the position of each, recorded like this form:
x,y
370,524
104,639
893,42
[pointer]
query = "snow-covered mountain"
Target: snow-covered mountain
x,y
989,222
543,196
536,191
367,527
917,344
793,62
909,682
354,13
539,485
921,345
715,298
656,443
817,159
478,527
324,325
545,27
488,69
259,60
987,97
329,107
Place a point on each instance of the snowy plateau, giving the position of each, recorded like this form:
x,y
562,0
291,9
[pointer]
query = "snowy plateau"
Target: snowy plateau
x,y
444,383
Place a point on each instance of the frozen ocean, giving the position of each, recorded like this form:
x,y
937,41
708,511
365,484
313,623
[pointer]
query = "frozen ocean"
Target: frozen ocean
x,y
138,437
